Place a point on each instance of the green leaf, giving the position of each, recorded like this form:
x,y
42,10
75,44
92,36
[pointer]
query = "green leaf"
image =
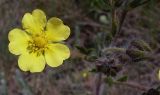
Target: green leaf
x,y
119,3
91,58
25,88
141,45
83,50
109,80
93,70
137,55
3,86
137,3
123,79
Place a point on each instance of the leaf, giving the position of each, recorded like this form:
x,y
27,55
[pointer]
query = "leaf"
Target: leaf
x,y
91,58
83,50
109,80
119,3
136,3
123,79
136,55
94,70
141,45
3,86
25,88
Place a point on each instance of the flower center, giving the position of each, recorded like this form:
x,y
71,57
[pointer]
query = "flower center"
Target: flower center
x,y
40,41
38,44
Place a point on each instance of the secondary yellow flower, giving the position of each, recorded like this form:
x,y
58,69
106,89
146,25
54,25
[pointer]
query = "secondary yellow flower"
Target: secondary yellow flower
x,y
38,44
159,74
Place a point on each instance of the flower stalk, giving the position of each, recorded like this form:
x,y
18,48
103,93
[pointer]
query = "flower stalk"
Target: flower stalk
x,y
98,85
114,32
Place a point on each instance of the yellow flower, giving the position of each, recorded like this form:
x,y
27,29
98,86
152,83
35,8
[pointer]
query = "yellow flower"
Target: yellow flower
x,y
85,74
159,74
38,44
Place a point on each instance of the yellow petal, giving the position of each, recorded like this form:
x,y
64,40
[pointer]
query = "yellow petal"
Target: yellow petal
x,y
17,48
31,62
55,54
34,23
56,30
18,41
159,74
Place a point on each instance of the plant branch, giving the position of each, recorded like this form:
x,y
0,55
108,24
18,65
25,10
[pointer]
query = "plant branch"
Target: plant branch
x,y
113,15
98,85
122,19
114,32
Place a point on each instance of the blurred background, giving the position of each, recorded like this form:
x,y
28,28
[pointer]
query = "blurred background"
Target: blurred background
x,y
90,23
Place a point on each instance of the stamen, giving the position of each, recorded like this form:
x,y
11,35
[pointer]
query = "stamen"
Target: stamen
x,y
37,45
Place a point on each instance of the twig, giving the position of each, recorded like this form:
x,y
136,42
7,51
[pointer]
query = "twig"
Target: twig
x,y
114,22
124,14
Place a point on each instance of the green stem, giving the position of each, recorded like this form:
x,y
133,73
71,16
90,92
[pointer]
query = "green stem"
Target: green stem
x,y
98,85
113,14
113,31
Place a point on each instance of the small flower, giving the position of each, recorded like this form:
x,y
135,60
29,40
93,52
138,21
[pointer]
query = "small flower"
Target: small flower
x,y
38,43
85,74
159,74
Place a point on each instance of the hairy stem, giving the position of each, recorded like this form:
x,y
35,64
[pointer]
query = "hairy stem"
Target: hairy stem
x,y
114,32
113,15
98,85
122,19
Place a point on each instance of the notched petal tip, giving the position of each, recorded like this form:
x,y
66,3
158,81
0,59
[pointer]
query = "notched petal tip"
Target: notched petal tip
x,y
18,41
56,54
12,33
31,62
37,10
13,50
55,21
68,31
34,22
56,30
